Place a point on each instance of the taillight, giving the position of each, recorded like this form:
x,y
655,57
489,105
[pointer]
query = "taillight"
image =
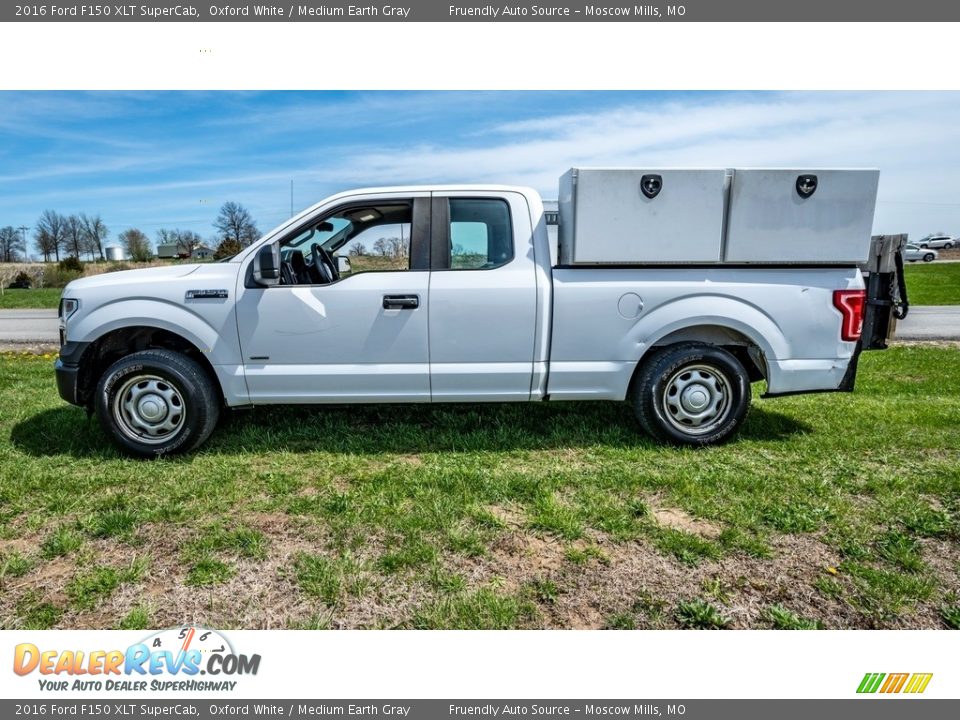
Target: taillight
x,y
850,303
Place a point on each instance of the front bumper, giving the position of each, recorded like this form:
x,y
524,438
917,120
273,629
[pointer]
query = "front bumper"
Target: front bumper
x,y
67,369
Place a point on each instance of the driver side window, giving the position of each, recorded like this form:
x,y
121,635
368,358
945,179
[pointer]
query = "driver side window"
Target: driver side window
x,y
353,239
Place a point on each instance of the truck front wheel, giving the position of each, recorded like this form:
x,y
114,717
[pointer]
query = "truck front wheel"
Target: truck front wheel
x,y
156,402
691,394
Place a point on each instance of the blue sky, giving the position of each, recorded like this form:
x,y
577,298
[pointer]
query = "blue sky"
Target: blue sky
x,y
170,159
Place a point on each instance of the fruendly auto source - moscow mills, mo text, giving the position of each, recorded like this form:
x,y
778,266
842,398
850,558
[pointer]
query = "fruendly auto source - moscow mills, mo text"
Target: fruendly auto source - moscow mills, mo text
x,y
300,11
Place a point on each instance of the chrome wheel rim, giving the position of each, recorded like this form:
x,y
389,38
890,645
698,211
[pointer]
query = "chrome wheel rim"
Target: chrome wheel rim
x,y
149,409
696,399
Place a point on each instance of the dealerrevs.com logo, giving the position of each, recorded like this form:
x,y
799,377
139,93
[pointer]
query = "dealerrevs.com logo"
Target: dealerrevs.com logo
x,y
179,659
892,683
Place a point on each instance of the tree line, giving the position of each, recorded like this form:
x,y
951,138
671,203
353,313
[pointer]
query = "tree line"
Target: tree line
x,y
57,236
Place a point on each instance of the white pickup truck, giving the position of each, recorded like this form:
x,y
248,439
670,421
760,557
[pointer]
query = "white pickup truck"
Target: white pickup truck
x,y
670,289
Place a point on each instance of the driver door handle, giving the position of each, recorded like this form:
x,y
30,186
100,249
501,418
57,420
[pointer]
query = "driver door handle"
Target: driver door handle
x,y
401,302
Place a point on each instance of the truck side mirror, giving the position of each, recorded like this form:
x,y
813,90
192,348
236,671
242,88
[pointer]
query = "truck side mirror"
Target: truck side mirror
x,y
266,265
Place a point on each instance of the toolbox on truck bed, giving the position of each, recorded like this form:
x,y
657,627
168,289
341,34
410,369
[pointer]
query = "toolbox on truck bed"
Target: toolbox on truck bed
x,y
669,216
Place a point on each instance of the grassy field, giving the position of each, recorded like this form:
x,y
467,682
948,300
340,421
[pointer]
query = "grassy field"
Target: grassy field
x,y
933,283
834,511
927,284
33,298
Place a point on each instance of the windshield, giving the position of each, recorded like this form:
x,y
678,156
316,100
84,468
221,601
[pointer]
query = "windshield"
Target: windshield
x,y
326,233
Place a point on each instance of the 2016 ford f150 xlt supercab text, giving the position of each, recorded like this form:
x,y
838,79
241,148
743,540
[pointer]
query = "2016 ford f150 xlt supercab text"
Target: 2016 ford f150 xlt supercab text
x,y
671,289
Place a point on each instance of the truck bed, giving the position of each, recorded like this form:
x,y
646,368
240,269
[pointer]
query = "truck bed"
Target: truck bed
x,y
605,318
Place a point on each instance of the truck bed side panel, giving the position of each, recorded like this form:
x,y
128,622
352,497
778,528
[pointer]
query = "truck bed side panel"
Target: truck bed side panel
x,y
605,320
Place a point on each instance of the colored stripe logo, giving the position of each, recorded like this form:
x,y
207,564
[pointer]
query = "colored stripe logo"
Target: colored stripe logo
x,y
913,683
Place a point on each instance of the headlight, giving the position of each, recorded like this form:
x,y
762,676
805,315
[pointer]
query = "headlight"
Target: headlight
x,y
68,306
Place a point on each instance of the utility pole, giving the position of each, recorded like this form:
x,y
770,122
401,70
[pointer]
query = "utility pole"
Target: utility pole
x,y
23,234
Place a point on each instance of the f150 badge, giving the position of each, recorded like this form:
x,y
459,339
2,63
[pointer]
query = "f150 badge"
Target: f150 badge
x,y
207,294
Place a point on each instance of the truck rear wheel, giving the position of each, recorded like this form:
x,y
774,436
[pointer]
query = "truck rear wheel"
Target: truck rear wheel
x,y
157,402
692,394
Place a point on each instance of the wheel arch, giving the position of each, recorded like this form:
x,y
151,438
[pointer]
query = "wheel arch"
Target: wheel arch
x,y
742,329
124,340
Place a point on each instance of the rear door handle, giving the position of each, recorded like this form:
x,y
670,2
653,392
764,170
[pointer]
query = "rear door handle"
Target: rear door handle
x,y
401,302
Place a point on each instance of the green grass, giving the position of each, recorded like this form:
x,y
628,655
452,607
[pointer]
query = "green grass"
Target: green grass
x,y
137,619
319,577
701,615
35,614
927,284
62,541
484,609
92,586
839,510
951,616
208,571
35,298
933,283
783,619
15,564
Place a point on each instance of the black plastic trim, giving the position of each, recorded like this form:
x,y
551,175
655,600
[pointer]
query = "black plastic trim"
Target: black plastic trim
x,y
440,234
709,266
71,352
68,377
420,235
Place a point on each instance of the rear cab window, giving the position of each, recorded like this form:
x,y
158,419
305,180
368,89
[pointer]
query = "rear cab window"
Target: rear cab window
x,y
481,233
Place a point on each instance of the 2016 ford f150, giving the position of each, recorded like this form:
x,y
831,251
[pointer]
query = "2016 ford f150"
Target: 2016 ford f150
x,y
671,289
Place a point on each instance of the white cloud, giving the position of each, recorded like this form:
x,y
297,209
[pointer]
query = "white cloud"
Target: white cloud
x,y
914,138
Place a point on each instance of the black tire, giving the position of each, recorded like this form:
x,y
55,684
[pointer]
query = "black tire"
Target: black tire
x,y
711,376
177,404
948,246
928,257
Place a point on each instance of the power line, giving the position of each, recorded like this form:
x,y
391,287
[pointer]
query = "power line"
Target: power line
x,y
917,202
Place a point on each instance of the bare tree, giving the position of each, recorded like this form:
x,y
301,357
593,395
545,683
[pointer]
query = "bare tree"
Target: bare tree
x,y
187,241
397,247
46,245
391,247
95,232
357,250
50,234
74,236
136,244
235,223
166,237
11,245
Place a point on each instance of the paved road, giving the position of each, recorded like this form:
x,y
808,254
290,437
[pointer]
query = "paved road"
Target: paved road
x,y
924,322
29,326
930,322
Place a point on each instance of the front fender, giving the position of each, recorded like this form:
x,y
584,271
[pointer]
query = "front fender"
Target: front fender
x,y
214,333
